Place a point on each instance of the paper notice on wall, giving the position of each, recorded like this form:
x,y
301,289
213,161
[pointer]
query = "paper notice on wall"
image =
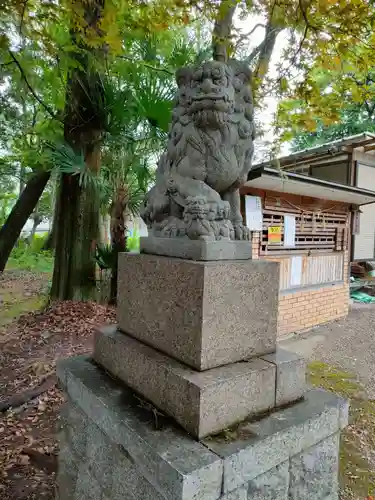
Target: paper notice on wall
x,y
253,209
274,234
289,231
296,270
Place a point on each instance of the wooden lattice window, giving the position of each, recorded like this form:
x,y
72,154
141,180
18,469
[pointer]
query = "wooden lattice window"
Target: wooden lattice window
x,y
319,230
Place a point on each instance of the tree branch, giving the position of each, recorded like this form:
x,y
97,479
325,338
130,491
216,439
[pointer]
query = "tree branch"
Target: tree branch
x,y
36,97
265,54
304,14
249,59
245,36
146,65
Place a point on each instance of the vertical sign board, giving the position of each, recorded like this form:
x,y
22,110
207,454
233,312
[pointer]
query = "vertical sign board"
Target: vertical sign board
x,y
253,210
296,271
289,230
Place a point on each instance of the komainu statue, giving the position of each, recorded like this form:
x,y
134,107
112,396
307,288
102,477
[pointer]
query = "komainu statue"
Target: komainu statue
x,y
208,156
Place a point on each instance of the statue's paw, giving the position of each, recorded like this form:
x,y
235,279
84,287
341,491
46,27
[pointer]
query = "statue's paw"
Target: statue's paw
x,y
172,227
241,232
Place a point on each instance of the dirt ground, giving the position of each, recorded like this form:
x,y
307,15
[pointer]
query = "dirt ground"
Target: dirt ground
x,y
30,345
342,355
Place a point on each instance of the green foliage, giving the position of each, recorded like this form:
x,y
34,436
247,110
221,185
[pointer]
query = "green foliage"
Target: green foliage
x,y
104,256
132,242
7,200
30,256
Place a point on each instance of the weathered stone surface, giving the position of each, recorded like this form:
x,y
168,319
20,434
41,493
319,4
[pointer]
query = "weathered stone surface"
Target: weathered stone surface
x,y
168,464
271,485
196,249
271,441
100,456
290,375
128,483
314,472
202,402
87,487
168,458
74,426
68,465
208,153
204,314
344,413
238,494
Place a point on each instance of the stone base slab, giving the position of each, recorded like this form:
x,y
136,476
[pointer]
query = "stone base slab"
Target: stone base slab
x,y
110,448
201,402
184,248
204,314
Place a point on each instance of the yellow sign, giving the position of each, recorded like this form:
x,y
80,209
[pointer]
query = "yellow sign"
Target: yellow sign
x,y
274,234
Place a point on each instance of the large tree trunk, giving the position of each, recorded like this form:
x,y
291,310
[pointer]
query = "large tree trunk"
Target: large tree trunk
x,y
78,207
76,234
20,213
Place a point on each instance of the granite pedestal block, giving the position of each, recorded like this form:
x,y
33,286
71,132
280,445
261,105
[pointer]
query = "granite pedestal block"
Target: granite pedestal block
x,y
290,375
184,248
112,449
201,402
204,314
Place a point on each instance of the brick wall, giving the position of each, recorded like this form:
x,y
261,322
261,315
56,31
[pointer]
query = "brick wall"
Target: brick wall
x,y
305,309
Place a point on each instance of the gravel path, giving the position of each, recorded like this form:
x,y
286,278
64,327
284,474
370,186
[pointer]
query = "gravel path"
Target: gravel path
x,y
348,344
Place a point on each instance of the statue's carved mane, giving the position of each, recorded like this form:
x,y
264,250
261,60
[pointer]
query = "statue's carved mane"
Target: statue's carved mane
x,y
236,129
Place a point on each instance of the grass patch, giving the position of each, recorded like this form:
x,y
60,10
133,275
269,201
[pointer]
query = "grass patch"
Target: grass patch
x,y
11,311
357,452
40,262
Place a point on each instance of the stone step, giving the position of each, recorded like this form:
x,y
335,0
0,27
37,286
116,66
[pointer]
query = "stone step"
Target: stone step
x,y
201,402
204,314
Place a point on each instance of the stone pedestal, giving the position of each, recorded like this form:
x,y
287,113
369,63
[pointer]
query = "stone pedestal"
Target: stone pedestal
x,y
195,346
113,447
204,314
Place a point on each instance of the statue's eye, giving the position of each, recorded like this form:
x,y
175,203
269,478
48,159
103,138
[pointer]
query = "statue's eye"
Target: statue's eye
x,y
221,81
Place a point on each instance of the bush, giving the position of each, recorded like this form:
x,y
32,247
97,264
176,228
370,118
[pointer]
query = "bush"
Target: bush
x,y
30,256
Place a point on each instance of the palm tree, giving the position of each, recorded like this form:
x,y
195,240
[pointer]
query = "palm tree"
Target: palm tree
x,y
125,178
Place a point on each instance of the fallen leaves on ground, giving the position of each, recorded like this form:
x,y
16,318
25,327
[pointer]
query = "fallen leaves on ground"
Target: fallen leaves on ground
x,y
29,350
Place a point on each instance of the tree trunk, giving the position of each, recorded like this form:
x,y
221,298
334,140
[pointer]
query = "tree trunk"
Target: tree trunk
x,y
78,206
76,235
221,42
20,213
49,243
118,235
265,54
33,230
